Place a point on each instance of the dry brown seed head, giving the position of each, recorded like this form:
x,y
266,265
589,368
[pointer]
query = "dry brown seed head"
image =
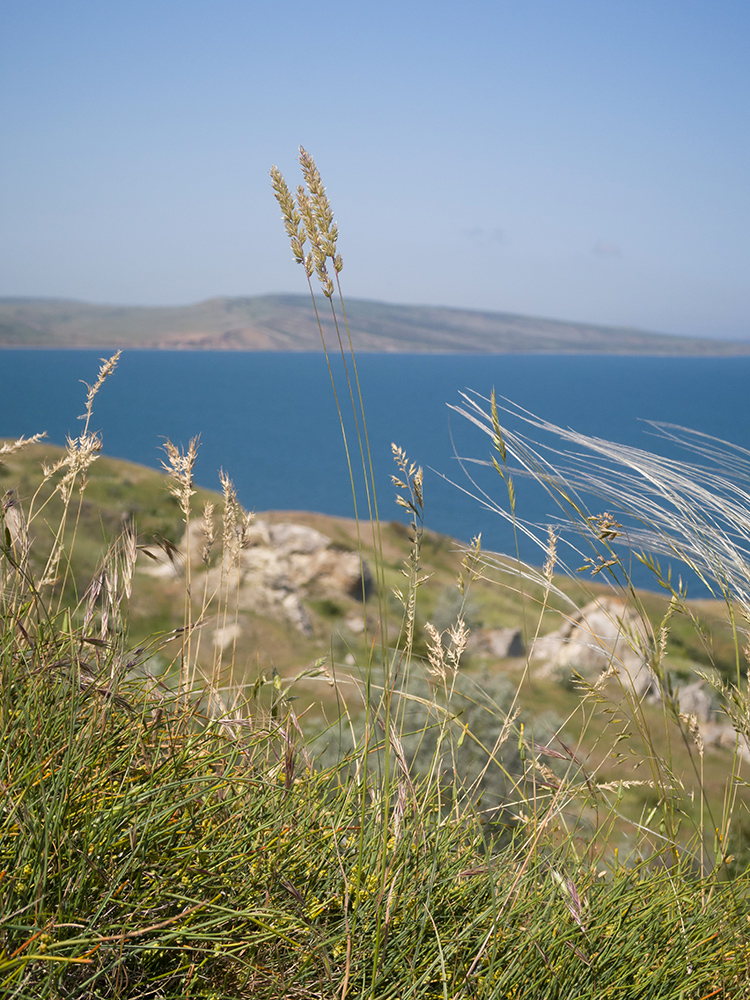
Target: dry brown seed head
x,y
435,652
208,531
324,214
228,489
549,563
49,470
11,446
399,456
130,552
284,197
80,453
13,521
321,206
107,367
236,522
417,485
247,520
50,577
289,213
298,252
311,218
604,526
691,721
307,215
311,173
179,466
459,636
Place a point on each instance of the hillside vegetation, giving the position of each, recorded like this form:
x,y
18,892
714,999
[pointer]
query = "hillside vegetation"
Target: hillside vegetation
x,y
229,846
287,323
315,627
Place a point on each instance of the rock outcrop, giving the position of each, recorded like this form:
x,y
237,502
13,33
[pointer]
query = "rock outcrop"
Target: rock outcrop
x,y
606,636
280,565
701,701
501,643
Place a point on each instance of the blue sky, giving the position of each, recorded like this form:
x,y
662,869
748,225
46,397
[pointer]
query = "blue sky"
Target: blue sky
x,y
577,159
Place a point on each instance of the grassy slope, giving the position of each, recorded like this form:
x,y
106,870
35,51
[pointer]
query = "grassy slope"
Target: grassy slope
x,y
142,855
286,323
118,492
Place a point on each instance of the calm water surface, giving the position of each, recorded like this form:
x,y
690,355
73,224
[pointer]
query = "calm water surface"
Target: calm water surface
x,y
270,419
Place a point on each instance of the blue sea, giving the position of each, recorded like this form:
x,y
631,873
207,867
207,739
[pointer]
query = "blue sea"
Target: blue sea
x,y
270,419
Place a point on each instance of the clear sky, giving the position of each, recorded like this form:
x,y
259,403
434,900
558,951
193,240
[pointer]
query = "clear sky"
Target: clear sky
x,y
577,159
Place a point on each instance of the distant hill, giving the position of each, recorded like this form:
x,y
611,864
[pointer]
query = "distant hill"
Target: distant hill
x,y
287,323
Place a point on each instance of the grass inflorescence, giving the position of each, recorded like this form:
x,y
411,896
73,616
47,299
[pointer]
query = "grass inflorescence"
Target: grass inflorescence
x,y
170,829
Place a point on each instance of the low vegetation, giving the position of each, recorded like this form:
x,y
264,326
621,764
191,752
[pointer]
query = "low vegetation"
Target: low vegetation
x,y
384,811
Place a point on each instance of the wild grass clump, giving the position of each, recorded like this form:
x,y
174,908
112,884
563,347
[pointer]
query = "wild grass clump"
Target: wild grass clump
x,y
146,852
176,833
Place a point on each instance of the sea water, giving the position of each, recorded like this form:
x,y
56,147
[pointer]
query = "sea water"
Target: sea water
x,y
270,419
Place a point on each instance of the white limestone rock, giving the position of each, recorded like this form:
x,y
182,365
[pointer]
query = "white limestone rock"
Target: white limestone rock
x,y
605,636
281,564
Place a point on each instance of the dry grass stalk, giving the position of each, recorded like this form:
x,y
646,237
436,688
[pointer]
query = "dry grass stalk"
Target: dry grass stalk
x,y
236,524
108,365
111,589
310,219
180,466
14,526
208,532
10,447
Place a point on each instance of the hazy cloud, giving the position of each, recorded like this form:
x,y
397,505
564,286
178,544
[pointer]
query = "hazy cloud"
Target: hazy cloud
x,y
603,248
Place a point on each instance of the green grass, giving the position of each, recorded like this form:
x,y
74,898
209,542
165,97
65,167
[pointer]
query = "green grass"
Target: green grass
x,y
146,852
175,825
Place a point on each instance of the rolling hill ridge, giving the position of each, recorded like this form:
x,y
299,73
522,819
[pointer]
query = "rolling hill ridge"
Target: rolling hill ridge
x,y
287,323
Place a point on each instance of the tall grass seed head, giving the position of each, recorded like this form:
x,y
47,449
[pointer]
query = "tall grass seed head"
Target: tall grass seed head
x,y
291,217
80,454
108,365
13,522
309,220
323,212
550,561
208,532
23,442
179,466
